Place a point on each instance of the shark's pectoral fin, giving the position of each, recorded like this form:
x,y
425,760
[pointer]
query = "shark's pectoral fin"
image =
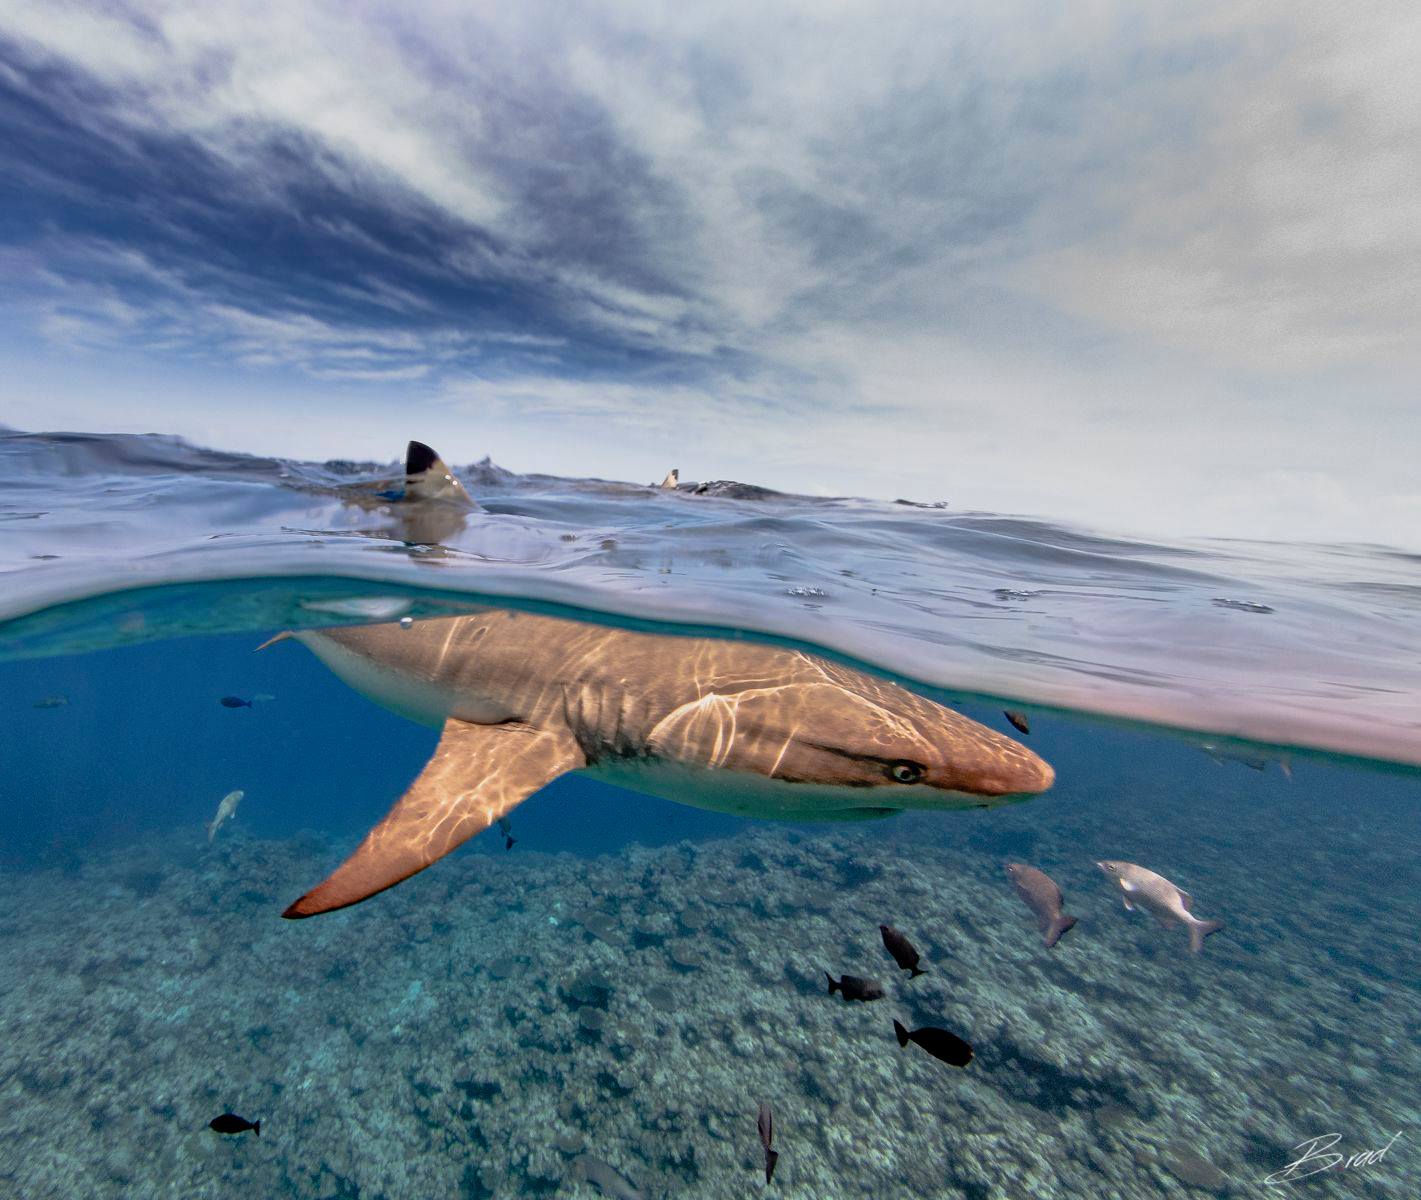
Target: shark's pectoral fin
x,y
477,774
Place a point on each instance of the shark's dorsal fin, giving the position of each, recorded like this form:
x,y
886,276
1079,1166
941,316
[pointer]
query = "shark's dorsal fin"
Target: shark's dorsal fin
x,y
477,774
428,477
419,458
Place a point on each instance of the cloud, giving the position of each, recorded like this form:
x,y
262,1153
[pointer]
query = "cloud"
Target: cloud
x,y
964,238
682,181
1283,235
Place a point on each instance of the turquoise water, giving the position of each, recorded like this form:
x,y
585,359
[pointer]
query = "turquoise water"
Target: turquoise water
x,y
622,989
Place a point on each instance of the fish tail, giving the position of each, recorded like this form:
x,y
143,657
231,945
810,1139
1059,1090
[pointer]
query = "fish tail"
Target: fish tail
x,y
771,1158
1199,930
1057,928
257,1128
901,1032
833,987
914,972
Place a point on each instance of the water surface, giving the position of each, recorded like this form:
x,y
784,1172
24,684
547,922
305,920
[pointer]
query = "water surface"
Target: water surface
x,y
635,977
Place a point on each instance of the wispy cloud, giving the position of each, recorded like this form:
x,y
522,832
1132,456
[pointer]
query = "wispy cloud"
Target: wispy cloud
x,y
965,237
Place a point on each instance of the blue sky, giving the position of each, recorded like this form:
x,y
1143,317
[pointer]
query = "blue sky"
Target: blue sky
x,y
1150,267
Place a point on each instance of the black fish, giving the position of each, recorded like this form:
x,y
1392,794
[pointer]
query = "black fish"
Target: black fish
x,y
941,1044
904,953
855,988
767,1135
507,830
232,1123
234,702
1018,719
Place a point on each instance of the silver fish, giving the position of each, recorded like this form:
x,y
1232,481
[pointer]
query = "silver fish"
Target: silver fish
x,y
604,1178
1254,762
1043,897
226,810
1163,900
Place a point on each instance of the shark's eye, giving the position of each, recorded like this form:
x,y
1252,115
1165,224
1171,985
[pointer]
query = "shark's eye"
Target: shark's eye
x,y
906,772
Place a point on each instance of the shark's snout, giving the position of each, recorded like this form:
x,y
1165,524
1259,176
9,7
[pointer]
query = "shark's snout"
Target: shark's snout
x,y
1025,774
1003,768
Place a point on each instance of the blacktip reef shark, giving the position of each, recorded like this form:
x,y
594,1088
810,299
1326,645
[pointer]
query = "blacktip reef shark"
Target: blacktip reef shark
x,y
733,726
427,506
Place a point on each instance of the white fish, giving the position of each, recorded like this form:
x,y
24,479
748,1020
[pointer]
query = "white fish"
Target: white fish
x,y
1163,900
226,810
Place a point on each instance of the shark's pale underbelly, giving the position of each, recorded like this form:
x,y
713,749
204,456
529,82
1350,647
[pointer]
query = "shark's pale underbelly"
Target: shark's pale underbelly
x,y
425,701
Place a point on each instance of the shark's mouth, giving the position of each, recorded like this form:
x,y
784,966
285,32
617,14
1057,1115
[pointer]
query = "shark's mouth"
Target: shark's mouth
x,y
747,794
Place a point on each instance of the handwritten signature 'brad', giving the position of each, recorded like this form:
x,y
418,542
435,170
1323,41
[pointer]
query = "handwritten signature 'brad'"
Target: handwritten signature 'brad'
x,y
1318,1156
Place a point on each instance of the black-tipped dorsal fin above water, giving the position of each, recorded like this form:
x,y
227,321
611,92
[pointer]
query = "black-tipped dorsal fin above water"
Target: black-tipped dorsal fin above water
x,y
729,725
427,477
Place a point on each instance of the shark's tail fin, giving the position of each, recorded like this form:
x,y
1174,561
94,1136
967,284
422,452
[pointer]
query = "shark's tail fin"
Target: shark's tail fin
x,y
771,1158
1199,930
833,986
1057,928
901,1032
257,1128
914,972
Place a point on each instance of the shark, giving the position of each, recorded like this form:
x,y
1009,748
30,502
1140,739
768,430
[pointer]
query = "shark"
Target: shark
x,y
427,506
732,725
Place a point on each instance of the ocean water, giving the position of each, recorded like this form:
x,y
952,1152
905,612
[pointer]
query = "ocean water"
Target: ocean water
x,y
603,1007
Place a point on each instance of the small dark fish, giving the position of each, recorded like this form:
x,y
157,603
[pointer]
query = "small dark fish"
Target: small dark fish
x,y
507,830
904,953
1040,894
767,1135
941,1044
855,988
1018,719
52,702
232,1123
234,702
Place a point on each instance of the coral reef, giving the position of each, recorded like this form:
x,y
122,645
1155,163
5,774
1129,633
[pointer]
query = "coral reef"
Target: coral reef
x,y
511,1024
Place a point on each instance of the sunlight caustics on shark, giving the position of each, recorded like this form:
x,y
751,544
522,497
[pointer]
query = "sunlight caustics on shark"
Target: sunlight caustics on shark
x,y
734,726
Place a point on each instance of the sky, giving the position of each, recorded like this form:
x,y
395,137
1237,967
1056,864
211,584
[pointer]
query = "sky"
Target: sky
x,y
1146,267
